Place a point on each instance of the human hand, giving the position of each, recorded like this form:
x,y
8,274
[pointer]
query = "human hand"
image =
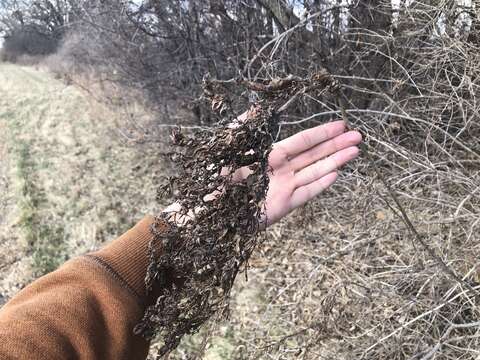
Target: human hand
x,y
306,164
303,166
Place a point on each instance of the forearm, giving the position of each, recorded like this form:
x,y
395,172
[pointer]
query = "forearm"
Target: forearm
x,y
87,309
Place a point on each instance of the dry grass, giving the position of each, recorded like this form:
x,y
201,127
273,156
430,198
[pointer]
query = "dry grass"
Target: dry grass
x,y
70,181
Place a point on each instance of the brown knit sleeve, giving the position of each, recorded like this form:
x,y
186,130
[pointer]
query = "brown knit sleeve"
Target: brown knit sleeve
x,y
86,309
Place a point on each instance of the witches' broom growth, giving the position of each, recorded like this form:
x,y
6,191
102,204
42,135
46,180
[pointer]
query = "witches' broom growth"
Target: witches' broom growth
x,y
211,237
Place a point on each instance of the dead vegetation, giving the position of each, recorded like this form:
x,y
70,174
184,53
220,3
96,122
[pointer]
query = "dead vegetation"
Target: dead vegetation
x,y
210,238
342,278
345,278
64,183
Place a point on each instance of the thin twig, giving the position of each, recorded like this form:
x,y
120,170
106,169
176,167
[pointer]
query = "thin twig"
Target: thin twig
x,y
406,219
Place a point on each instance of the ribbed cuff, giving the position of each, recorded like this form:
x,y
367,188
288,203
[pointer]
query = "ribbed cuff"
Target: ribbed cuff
x,y
127,256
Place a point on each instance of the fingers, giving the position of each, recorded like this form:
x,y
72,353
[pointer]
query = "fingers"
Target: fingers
x,y
325,149
321,168
306,193
307,139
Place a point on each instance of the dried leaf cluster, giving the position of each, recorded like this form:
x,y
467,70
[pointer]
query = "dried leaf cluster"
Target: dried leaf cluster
x,y
210,239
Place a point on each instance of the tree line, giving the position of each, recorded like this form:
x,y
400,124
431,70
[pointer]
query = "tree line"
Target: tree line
x,y
378,50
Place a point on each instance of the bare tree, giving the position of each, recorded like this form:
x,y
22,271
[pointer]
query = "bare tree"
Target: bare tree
x,y
32,27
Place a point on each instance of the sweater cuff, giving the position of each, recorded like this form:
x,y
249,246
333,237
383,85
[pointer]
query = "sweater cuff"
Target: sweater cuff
x,y
128,257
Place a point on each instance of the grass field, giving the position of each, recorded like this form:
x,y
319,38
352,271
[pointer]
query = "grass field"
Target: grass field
x,y
67,183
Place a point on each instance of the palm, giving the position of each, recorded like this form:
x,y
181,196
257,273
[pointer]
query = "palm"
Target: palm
x,y
303,166
306,164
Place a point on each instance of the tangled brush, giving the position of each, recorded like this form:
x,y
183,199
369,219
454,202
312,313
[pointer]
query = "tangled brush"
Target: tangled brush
x,y
219,213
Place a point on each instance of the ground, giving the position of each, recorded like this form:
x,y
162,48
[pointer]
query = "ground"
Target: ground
x,y
68,182
340,279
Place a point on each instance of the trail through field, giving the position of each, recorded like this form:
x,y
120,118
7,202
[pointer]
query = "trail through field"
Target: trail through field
x,y
66,183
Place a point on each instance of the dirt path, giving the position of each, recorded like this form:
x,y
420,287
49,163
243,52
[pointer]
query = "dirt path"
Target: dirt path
x,y
66,183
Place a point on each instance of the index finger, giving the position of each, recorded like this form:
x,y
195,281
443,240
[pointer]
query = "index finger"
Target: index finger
x,y
309,138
